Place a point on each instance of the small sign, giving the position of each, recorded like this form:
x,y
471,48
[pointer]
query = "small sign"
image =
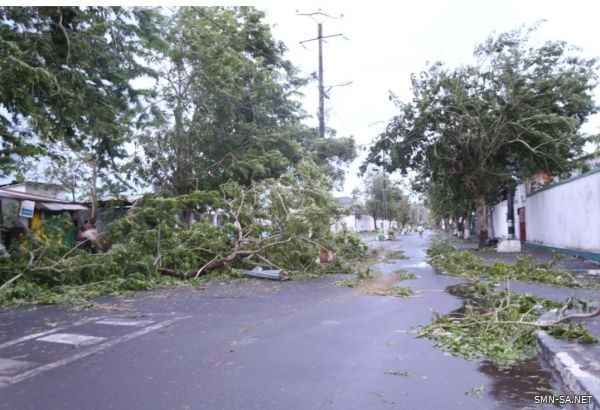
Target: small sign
x,y
27,208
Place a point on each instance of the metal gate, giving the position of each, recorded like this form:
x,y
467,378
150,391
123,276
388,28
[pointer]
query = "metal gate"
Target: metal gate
x,y
522,225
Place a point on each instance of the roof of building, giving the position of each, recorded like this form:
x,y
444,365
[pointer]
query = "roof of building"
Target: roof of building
x,y
53,206
22,196
42,201
48,184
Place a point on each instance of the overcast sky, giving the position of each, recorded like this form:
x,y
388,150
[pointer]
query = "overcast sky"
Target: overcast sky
x,y
387,42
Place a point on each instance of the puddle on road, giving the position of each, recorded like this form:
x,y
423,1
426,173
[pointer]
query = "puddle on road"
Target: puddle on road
x,y
419,265
510,387
517,386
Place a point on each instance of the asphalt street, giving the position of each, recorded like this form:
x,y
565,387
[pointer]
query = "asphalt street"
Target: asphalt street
x,y
255,344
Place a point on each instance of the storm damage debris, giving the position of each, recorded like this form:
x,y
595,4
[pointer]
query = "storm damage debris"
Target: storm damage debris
x,y
259,273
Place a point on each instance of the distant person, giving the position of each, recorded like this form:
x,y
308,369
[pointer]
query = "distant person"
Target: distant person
x,y
420,229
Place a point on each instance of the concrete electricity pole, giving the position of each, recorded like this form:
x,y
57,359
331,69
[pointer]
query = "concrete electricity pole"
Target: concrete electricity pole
x,y
319,38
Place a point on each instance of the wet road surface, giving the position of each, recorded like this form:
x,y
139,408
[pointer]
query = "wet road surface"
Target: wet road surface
x,y
254,344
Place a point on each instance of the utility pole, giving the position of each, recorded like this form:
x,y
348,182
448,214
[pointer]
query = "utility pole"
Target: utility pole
x,y
321,86
319,38
384,194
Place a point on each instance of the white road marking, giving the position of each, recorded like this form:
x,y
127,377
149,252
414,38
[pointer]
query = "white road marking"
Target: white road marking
x,y
47,332
9,367
71,339
121,321
7,381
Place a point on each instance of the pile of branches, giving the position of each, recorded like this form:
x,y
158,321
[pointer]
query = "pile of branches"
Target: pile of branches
x,y
282,223
466,263
501,326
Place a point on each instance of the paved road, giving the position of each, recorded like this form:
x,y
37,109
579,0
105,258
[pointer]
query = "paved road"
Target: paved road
x,y
253,345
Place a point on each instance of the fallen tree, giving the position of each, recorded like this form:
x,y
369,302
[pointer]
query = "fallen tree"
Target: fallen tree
x,y
498,324
280,223
501,326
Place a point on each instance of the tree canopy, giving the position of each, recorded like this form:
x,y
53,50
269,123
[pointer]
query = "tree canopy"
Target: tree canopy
x,y
229,109
472,130
223,106
65,77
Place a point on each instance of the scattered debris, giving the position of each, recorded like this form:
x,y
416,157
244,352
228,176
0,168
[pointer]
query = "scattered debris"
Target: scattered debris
x,y
497,325
400,292
403,274
475,390
466,263
396,254
350,283
261,273
397,373
112,307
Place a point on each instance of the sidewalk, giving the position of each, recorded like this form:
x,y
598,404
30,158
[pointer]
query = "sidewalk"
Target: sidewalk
x,y
538,256
577,364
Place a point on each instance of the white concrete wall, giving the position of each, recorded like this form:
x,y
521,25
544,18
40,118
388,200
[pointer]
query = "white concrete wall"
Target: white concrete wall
x,y
499,220
386,224
566,215
500,210
346,222
362,224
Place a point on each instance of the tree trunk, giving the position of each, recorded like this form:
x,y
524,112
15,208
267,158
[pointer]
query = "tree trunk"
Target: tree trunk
x,y
94,190
467,226
374,221
482,222
490,219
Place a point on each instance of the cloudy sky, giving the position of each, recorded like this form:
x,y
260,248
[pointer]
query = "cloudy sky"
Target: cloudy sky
x,y
385,42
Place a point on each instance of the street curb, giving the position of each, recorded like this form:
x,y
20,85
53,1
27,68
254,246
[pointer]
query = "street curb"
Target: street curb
x,y
577,380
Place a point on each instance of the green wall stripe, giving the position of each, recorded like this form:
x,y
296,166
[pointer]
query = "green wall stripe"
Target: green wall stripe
x,y
593,256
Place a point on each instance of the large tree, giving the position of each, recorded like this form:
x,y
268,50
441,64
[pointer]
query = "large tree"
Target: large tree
x,y
66,95
475,129
228,110
65,78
